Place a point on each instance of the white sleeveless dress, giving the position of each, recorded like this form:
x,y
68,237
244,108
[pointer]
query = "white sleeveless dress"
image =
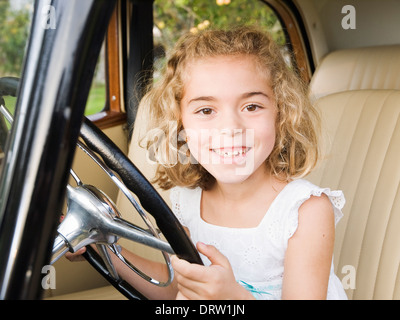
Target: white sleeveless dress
x,y
257,254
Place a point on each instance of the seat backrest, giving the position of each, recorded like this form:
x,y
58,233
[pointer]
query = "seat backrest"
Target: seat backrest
x,y
362,148
353,69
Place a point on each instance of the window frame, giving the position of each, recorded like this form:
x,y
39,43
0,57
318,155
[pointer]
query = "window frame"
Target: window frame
x,y
296,35
114,113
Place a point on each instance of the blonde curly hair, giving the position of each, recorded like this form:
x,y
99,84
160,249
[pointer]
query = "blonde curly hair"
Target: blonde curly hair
x,y
296,149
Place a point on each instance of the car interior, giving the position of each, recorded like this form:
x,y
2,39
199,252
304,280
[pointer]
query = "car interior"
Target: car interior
x,y
357,92
349,53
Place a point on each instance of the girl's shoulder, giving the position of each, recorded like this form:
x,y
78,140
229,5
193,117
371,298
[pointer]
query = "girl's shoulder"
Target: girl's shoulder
x,y
297,192
301,190
185,202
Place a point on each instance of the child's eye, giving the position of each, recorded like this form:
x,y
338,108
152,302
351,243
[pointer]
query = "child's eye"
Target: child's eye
x,y
205,111
252,107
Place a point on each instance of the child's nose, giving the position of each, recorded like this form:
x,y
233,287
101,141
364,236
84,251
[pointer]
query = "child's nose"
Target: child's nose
x,y
231,131
231,124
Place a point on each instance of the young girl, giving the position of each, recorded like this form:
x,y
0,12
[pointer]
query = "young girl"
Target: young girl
x,y
247,136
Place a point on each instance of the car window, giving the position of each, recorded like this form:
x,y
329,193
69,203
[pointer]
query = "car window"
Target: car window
x,y
15,21
174,18
97,95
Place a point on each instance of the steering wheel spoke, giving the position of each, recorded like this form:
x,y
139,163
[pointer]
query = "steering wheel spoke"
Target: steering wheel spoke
x,y
103,252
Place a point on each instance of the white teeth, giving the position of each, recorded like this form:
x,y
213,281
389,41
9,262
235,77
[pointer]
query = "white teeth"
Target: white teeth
x,y
225,153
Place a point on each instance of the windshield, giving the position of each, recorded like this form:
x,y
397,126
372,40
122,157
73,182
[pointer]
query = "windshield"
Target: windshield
x,y
15,20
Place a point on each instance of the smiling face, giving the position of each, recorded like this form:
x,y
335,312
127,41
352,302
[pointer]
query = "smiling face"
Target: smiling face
x,y
228,113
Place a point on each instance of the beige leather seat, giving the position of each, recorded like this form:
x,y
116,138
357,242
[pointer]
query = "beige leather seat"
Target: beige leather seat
x,y
352,69
362,144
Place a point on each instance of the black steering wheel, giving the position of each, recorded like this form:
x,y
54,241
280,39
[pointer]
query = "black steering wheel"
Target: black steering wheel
x,y
149,198
100,222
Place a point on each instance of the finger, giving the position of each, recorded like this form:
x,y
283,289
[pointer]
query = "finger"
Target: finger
x,y
181,296
187,282
188,270
76,256
189,292
213,254
192,284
